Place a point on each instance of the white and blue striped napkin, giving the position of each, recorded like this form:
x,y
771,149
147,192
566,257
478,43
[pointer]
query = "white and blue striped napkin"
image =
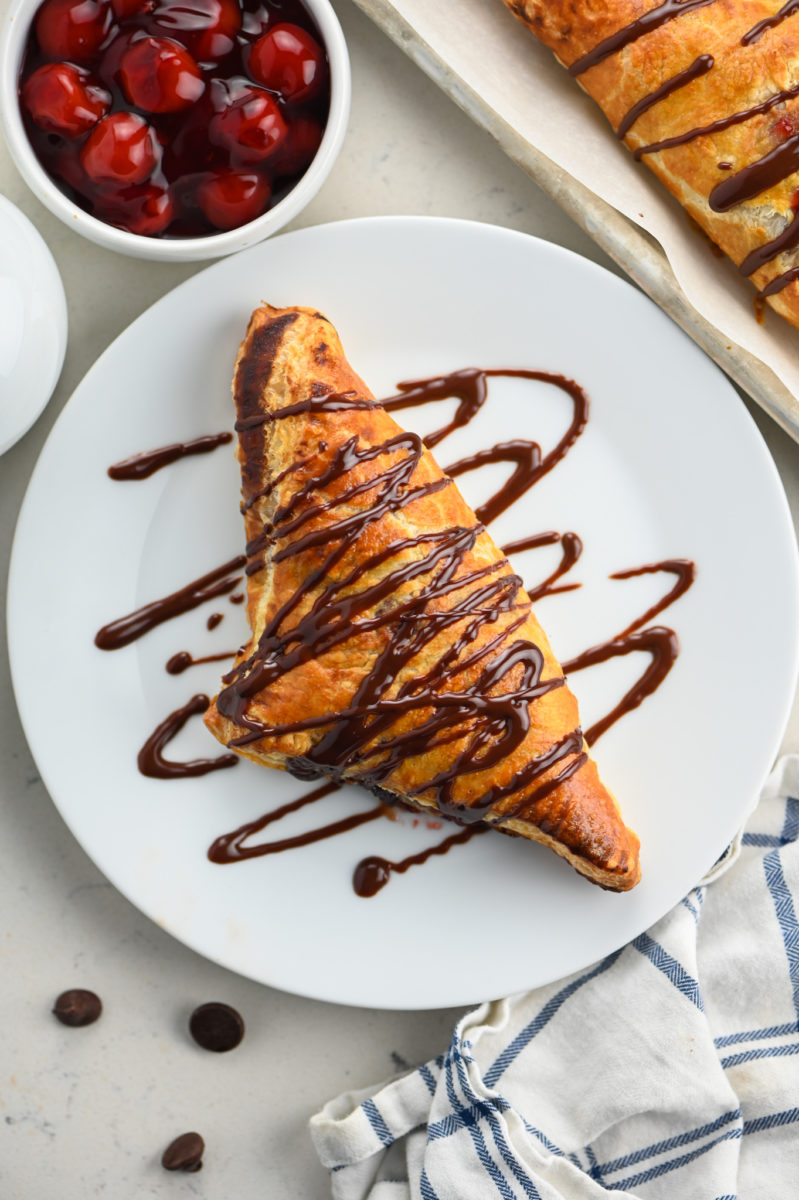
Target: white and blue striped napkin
x,y
669,1069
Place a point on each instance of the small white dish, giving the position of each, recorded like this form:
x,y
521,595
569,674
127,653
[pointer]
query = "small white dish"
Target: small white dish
x,y
33,324
13,36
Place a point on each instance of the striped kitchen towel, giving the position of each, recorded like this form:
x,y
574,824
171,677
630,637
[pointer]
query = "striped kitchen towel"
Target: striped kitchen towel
x,y
668,1069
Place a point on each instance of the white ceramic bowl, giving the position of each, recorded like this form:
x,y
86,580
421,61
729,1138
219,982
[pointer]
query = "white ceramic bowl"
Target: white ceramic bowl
x,y
14,33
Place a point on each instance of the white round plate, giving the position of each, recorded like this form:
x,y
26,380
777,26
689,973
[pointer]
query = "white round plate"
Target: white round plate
x,y
670,465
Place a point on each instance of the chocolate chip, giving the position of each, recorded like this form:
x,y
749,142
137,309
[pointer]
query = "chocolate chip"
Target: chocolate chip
x,y
216,1027
184,1154
78,1007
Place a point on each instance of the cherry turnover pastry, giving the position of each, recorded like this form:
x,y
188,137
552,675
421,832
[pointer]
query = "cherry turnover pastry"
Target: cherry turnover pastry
x,y
392,644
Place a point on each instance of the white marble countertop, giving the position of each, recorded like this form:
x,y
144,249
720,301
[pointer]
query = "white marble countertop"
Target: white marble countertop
x,y
88,1112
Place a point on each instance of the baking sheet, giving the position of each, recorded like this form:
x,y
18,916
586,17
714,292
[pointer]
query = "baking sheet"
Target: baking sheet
x,y
504,79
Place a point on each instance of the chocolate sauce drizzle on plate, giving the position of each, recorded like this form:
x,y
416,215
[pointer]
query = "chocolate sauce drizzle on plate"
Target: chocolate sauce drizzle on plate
x,y
374,872
230,847
498,722
151,761
181,661
751,180
141,466
128,629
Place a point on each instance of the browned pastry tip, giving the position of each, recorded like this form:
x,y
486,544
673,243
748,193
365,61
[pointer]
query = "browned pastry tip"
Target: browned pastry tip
x,y
706,93
392,644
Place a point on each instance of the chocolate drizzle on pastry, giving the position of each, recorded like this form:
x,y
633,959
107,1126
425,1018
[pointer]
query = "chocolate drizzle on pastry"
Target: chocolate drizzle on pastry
x,y
374,872
751,75
726,122
757,31
699,67
757,177
474,697
478,699
393,646
650,21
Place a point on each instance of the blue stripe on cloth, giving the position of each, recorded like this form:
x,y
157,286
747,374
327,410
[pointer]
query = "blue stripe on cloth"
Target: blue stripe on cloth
x,y
495,1125
429,1078
523,1038
491,1168
694,911
530,1190
443,1128
757,1124
756,1035
673,970
783,1051
426,1188
786,916
542,1138
594,1170
729,1196
754,1125
460,1118
672,1143
376,1121
762,839
633,1181
790,830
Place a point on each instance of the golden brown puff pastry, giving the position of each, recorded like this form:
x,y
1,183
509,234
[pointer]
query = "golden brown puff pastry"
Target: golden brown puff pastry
x,y
706,93
392,644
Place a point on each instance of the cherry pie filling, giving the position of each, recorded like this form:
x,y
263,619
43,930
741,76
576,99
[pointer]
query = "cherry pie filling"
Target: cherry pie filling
x,y
174,118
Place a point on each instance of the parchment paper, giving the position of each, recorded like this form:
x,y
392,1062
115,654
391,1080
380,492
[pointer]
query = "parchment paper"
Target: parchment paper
x,y
484,56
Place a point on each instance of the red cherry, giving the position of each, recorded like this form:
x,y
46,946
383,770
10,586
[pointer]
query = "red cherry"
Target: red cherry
x,y
131,8
207,27
61,100
159,75
232,198
107,69
142,208
784,127
67,166
289,61
121,149
73,29
249,126
300,146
